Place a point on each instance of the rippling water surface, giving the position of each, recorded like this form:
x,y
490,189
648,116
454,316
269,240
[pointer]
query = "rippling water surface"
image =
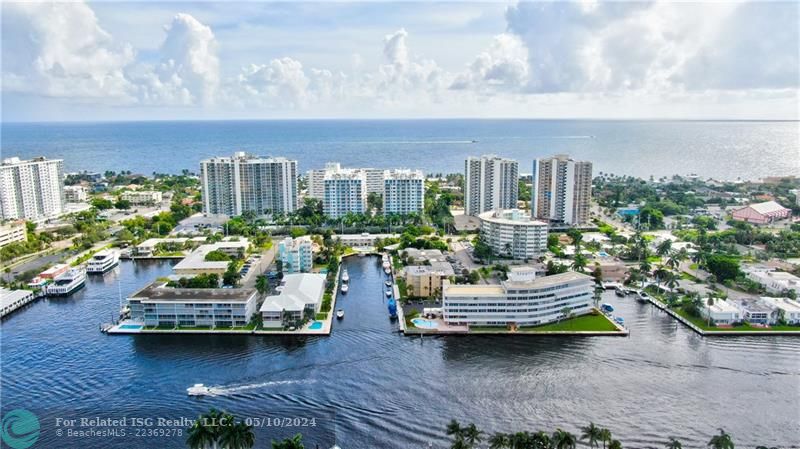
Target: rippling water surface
x,y
368,387
721,149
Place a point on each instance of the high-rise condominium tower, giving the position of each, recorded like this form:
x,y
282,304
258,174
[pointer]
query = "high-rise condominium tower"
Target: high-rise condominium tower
x,y
490,182
233,185
561,189
31,190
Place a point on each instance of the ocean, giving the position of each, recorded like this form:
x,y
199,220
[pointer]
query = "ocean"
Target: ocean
x,y
720,149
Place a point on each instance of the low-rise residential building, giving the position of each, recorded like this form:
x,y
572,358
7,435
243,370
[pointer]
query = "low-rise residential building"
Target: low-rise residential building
x,y
76,194
522,300
426,280
776,282
755,311
512,233
362,240
721,312
195,262
789,308
14,231
144,197
761,213
296,254
611,270
170,307
148,247
300,296
416,256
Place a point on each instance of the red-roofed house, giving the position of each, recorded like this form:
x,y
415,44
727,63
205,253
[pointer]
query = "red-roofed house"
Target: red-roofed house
x,y
762,213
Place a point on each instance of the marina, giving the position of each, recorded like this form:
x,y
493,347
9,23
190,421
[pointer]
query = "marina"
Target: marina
x,y
609,373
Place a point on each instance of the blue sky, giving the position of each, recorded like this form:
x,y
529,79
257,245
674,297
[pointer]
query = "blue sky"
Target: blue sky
x,y
190,60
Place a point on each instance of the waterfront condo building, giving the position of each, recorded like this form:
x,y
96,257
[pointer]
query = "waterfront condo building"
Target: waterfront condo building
x,y
512,233
163,306
522,300
316,179
233,185
345,191
144,197
403,191
32,189
490,182
300,295
296,255
76,194
561,190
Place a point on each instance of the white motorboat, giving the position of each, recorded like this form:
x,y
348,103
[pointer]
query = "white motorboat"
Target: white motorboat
x,y
345,276
387,271
67,283
386,264
198,390
344,288
102,261
388,293
340,314
388,283
642,297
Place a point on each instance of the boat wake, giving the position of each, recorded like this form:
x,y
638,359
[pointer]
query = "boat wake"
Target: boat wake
x,y
234,389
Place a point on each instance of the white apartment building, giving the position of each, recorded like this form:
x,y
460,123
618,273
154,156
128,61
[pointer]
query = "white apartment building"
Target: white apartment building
x,y
512,233
11,232
296,255
300,294
345,191
76,194
721,312
790,308
144,197
316,179
244,182
775,282
31,189
159,305
561,190
403,191
522,300
490,182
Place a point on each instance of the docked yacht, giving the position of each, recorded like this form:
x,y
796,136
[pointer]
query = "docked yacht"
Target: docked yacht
x,y
388,283
388,293
66,283
198,390
340,314
619,291
345,276
345,288
642,297
387,270
102,262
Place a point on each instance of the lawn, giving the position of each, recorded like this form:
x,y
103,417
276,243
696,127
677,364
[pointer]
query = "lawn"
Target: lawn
x,y
702,324
321,316
583,323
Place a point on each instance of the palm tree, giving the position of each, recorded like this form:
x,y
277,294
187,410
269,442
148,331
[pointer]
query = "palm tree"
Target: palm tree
x,y
296,442
563,440
540,440
200,435
579,262
262,285
591,433
615,444
674,444
499,441
721,441
709,302
605,436
237,436
664,247
454,428
472,435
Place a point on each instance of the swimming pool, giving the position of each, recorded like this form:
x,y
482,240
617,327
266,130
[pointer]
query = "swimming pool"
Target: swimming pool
x,y
603,254
425,324
130,326
315,326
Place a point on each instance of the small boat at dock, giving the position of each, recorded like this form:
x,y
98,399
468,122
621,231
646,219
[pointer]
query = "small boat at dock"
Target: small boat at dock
x,y
642,297
344,288
340,314
345,276
619,292
388,293
388,283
